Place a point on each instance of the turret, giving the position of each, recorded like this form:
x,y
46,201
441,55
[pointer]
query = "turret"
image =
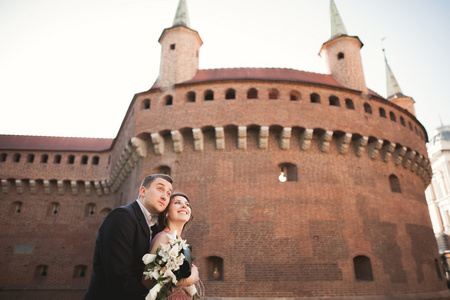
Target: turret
x,y
341,54
394,93
180,47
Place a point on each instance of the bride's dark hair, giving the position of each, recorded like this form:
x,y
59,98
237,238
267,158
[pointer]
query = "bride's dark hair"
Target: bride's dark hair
x,y
162,218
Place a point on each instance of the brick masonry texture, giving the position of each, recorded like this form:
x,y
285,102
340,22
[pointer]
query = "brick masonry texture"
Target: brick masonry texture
x,y
272,239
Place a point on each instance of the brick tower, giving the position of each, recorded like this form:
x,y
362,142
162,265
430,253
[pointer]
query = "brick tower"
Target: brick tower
x,y
303,185
341,54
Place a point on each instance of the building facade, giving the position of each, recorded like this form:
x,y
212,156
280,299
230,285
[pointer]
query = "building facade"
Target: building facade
x,y
438,192
302,184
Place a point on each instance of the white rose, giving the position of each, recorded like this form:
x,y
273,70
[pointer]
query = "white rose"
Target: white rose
x,y
148,258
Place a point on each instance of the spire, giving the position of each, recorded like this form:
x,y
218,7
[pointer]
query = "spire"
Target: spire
x,y
337,26
393,89
182,16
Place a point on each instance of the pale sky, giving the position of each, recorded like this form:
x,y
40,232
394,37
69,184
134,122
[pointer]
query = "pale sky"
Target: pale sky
x,y
72,67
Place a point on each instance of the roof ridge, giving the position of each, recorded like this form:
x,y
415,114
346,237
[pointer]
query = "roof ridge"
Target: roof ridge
x,y
54,136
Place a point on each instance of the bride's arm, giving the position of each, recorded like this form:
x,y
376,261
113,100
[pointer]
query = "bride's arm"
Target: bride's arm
x,y
162,239
191,279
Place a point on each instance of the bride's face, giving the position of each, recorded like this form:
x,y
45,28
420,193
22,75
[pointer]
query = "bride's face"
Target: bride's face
x,y
179,209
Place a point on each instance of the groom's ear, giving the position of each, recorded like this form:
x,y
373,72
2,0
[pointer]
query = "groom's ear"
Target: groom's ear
x,y
142,191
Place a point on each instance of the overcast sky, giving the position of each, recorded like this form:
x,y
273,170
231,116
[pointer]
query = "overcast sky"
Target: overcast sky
x,y
72,67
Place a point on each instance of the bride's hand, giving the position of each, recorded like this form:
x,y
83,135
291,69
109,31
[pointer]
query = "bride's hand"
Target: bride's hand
x,y
191,279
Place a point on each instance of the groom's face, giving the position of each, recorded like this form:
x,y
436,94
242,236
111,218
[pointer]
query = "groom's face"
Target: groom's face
x,y
156,197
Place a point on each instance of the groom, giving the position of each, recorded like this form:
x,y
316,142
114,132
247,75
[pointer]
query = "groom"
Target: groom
x,y
123,238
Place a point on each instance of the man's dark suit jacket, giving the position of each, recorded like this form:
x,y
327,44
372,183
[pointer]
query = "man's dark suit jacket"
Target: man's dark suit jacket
x,y
122,240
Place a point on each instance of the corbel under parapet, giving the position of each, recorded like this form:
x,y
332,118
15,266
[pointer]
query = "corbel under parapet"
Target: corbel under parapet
x,y
360,144
263,137
46,184
98,188
140,146
343,143
409,156
220,138
87,187
387,150
305,139
374,149
325,140
5,186
177,139
198,139
74,187
60,185
399,153
19,186
286,138
158,143
417,162
242,137
33,187
105,187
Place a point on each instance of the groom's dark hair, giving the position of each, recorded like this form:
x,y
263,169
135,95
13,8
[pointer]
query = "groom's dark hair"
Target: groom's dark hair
x,y
149,179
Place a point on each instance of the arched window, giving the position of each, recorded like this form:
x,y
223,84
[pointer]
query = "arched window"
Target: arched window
x,y
16,157
41,271
230,94
363,268
191,97
315,98
273,94
402,121
90,209
84,160
71,159
57,159
367,108
146,104
3,157
44,158
252,93
334,101
395,184
214,268
79,271
54,208
30,158
287,172
163,170
340,55
95,160
17,206
392,117
209,95
382,112
168,100
349,104
104,212
295,96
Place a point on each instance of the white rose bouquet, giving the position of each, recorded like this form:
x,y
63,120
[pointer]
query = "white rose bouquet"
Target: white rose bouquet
x,y
170,264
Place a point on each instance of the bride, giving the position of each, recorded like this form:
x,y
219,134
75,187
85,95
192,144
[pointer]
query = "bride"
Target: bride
x,y
174,218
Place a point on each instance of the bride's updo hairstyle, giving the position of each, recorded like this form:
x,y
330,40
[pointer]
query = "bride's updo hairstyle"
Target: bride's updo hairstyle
x,y
162,218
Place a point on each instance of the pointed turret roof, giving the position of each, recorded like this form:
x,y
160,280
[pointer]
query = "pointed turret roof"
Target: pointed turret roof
x,y
337,26
392,87
182,16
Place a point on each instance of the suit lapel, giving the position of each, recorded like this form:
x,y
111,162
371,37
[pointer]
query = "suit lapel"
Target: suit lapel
x,y
141,219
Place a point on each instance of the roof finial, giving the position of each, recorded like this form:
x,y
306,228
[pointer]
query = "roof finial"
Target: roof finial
x,y
392,88
182,16
337,26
